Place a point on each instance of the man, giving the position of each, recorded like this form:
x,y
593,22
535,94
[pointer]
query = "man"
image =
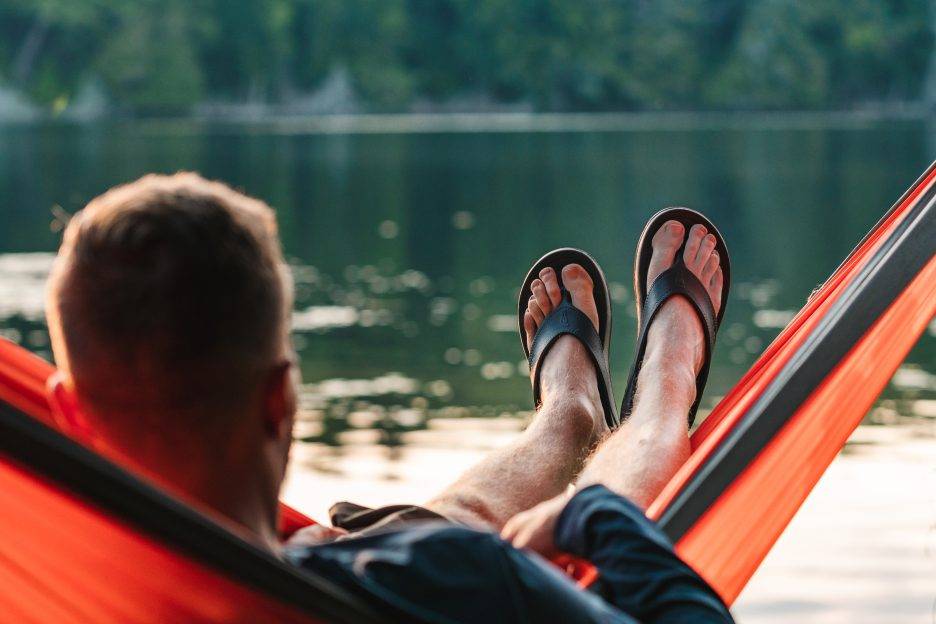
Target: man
x,y
168,309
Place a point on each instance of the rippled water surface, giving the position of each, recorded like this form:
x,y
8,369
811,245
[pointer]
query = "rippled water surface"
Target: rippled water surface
x,y
408,249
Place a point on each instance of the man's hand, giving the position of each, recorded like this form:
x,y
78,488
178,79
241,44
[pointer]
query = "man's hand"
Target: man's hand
x,y
534,529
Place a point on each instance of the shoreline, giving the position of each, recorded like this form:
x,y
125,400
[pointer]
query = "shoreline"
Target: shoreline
x,y
498,122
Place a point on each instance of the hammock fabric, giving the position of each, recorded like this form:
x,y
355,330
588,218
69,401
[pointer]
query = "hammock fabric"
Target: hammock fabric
x,y
85,541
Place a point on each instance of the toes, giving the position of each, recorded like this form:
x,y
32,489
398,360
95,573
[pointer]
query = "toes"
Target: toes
x,y
535,311
576,278
529,326
542,299
696,233
705,250
670,233
702,259
715,289
551,281
582,289
665,243
710,267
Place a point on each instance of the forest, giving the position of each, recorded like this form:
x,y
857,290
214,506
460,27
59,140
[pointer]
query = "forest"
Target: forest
x,y
168,57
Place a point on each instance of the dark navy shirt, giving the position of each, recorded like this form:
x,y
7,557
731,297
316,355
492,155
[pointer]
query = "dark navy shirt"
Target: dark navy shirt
x,y
439,572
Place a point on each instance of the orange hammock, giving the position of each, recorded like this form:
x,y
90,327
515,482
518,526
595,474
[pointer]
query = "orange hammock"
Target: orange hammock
x,y
85,541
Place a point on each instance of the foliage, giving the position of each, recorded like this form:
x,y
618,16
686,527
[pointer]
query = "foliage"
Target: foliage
x,y
164,56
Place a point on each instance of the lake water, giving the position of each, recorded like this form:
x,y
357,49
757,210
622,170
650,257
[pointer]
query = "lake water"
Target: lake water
x,y
408,250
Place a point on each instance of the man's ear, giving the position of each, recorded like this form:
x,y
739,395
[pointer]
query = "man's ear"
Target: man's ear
x,y
279,401
66,410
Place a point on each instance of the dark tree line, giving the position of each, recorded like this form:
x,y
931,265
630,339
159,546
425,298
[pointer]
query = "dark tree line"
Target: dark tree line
x,y
164,56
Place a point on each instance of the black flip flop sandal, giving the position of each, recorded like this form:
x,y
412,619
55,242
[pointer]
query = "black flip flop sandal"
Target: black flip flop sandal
x,y
567,319
676,280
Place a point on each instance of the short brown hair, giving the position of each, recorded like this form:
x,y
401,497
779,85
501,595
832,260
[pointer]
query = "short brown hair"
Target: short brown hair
x,y
169,292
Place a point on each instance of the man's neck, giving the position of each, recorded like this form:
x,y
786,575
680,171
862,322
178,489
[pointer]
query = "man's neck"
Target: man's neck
x,y
245,506
236,500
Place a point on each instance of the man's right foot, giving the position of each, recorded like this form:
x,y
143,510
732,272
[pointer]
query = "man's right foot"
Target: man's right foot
x,y
567,373
675,339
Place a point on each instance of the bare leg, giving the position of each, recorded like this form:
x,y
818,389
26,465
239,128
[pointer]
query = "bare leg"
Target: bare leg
x,y
644,454
542,462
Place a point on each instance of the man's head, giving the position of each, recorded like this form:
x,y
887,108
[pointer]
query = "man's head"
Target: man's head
x,y
168,307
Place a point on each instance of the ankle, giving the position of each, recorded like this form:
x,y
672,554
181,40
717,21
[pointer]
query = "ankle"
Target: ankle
x,y
571,415
568,371
675,338
668,380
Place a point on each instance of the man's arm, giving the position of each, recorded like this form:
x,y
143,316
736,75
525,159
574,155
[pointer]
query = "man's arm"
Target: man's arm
x,y
639,572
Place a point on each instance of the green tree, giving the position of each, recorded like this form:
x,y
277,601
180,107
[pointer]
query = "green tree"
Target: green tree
x,y
163,56
150,63
825,53
46,46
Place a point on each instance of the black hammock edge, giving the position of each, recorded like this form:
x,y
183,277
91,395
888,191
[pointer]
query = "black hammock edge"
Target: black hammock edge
x,y
109,488
893,266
